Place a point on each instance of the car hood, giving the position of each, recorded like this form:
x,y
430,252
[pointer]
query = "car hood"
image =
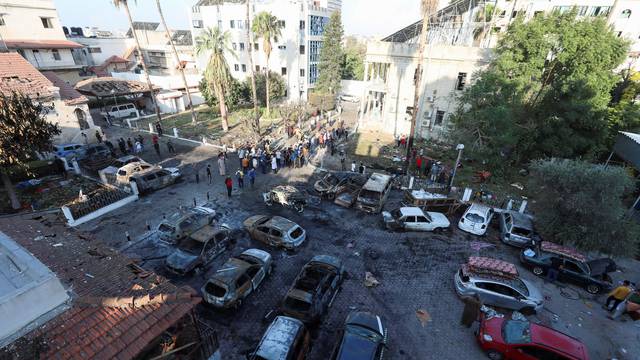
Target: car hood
x,y
602,266
534,293
439,219
181,260
356,347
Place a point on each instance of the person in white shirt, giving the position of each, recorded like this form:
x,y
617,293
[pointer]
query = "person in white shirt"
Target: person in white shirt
x,y
274,165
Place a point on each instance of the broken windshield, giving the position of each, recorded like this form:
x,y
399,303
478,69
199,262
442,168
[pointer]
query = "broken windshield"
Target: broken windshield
x,y
191,246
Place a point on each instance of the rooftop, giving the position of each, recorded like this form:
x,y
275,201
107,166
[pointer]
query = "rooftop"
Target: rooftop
x,y
67,92
118,308
41,44
110,86
17,74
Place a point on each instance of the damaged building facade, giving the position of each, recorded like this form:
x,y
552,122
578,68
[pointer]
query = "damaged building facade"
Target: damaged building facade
x,y
460,42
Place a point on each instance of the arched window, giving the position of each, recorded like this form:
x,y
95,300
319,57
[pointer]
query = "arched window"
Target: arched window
x,y
82,119
625,14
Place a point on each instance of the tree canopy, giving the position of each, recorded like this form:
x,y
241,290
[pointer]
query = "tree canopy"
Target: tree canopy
x,y
353,59
580,204
331,58
546,92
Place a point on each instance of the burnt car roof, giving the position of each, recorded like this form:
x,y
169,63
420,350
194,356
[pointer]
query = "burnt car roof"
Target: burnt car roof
x,y
230,271
277,340
282,223
328,260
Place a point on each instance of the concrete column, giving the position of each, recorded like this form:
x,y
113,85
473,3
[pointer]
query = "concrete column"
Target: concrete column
x,y
134,188
151,128
175,132
363,99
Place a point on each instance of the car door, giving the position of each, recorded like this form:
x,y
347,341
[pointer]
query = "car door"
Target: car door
x,y
423,224
275,236
243,286
495,294
256,273
261,233
409,222
573,272
534,352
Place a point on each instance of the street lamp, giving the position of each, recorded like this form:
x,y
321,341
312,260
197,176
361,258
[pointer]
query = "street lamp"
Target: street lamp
x,y
459,147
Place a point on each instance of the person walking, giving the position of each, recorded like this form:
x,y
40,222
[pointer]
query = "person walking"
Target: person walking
x,y
252,176
554,269
342,161
240,155
229,184
279,158
240,178
254,163
221,166
159,128
130,145
245,164
471,310
361,168
170,147
209,177
274,164
98,136
123,146
618,295
156,144
353,166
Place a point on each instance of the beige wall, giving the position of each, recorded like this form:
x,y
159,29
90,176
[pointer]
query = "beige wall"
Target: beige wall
x,y
22,19
65,116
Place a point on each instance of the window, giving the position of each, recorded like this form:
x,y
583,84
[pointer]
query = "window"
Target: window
x,y
302,72
2,23
625,14
95,50
317,24
220,24
421,219
600,10
232,24
282,47
573,267
281,24
46,22
540,353
284,71
439,118
236,67
410,219
82,119
257,68
234,46
241,46
197,24
314,50
276,233
56,55
462,79
255,46
313,73
302,25
301,49
240,24
244,68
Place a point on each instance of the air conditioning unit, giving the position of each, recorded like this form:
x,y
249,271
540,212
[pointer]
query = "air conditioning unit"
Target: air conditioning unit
x,y
431,99
428,114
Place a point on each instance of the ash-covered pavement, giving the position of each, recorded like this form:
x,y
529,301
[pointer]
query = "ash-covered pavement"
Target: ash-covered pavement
x,y
415,271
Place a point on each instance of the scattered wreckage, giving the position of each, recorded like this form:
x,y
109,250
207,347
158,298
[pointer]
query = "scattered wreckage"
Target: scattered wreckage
x,y
275,231
185,222
333,184
314,289
198,249
287,196
237,278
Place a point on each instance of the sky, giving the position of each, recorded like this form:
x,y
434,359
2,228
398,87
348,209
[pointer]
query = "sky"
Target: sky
x,y
359,17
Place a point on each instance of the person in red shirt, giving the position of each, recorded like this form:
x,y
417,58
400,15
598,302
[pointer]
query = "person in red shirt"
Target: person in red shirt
x,y
418,163
229,183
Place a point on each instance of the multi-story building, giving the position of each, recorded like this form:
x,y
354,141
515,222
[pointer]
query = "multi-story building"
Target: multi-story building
x,y
460,42
32,28
295,55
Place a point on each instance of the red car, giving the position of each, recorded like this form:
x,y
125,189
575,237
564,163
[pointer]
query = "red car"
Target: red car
x,y
506,339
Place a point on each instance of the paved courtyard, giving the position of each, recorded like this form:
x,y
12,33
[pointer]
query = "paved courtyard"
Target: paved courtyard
x,y
415,270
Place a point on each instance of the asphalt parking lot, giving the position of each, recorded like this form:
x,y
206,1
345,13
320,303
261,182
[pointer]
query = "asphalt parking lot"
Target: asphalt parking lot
x,y
415,271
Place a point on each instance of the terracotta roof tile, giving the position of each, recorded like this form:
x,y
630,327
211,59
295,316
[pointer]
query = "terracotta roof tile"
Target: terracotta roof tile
x,y
67,93
41,44
17,74
91,330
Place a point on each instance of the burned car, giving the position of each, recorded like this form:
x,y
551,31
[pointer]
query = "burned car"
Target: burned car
x,y
414,219
333,184
314,289
286,195
185,222
198,249
571,266
237,278
275,231
285,339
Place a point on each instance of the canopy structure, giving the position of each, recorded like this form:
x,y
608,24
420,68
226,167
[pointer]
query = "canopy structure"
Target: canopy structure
x,y
109,86
627,147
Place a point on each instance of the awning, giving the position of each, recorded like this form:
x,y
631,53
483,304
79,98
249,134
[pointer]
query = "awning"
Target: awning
x,y
627,146
110,86
41,44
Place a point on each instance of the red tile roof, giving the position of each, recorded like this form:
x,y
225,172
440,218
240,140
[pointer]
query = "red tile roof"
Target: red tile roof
x,y
67,93
17,74
41,44
114,59
116,312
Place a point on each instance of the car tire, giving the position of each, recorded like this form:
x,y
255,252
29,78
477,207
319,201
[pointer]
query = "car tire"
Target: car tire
x,y
538,271
494,355
593,289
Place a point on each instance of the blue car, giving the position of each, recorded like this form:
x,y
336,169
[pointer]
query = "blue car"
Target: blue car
x,y
69,151
362,338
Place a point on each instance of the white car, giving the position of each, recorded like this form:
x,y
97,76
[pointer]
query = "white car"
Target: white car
x,y
414,219
476,219
123,176
349,98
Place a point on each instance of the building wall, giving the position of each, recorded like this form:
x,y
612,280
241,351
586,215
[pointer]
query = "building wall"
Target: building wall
x,y
43,59
100,49
286,53
23,20
65,116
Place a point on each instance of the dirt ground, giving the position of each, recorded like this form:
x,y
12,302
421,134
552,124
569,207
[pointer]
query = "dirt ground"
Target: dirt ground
x,y
415,270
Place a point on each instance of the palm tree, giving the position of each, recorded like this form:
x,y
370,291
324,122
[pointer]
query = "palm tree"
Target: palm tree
x,y
254,95
177,59
266,27
217,72
427,7
125,5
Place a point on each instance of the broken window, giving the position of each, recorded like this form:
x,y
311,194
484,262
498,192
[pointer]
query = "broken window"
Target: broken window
x,y
46,22
439,118
56,54
462,80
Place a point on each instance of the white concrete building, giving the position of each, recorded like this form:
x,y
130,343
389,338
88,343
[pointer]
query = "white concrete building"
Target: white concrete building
x,y
32,28
295,55
460,44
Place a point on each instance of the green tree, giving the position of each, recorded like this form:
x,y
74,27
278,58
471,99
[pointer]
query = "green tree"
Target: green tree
x,y
24,130
353,65
237,95
580,204
624,111
266,26
140,56
546,92
216,42
331,58
275,85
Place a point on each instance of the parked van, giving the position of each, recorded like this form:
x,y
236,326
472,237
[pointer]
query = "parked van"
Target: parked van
x,y
153,179
122,111
374,193
125,172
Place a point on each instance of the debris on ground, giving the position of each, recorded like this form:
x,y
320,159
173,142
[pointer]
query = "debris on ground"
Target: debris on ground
x,y
479,245
370,280
518,186
423,316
